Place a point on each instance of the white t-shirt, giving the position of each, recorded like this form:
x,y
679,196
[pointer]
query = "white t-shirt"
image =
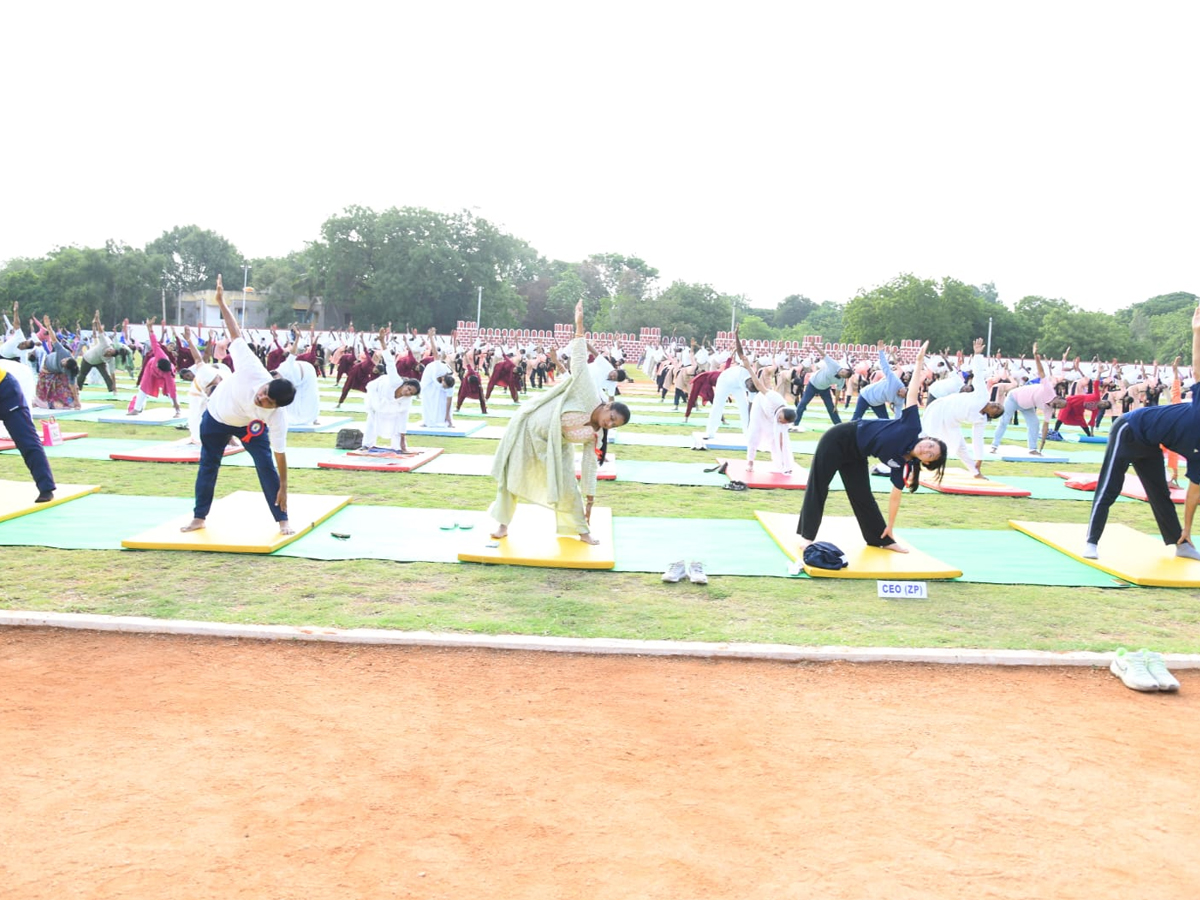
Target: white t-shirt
x,y
232,401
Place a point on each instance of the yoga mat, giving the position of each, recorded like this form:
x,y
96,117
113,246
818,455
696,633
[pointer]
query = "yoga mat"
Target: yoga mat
x,y
180,451
959,482
297,457
686,474
151,415
458,464
763,474
323,423
17,498
865,562
463,430
358,462
93,448
85,408
94,522
533,541
240,523
725,547
1007,557
1125,553
395,533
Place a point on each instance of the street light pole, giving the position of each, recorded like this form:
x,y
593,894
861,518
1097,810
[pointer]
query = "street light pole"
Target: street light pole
x,y
479,309
245,284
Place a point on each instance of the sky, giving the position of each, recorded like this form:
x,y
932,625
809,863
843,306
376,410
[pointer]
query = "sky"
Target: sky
x,y
766,149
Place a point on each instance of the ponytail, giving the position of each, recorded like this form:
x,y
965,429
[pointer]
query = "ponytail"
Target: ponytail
x,y
602,453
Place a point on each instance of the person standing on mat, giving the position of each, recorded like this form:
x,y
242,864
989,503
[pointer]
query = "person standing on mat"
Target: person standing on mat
x,y
158,375
944,419
832,374
1044,394
389,400
536,457
878,394
845,450
18,421
249,405
98,356
769,417
1135,440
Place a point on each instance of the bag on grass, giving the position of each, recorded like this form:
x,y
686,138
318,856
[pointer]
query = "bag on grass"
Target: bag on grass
x,y
349,439
51,433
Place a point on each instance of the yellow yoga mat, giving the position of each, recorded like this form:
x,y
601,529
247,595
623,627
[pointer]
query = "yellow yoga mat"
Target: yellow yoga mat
x,y
533,541
865,562
1139,558
16,497
240,523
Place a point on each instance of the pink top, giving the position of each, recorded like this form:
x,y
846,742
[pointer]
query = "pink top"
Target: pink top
x,y
1035,394
154,379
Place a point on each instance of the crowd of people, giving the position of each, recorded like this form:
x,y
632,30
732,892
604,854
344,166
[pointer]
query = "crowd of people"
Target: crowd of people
x,y
920,407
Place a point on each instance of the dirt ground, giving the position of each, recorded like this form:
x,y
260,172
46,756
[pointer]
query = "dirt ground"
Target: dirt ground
x,y
163,767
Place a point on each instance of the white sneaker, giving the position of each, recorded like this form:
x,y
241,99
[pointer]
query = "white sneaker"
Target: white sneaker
x,y
1158,670
1131,669
696,574
1090,551
675,572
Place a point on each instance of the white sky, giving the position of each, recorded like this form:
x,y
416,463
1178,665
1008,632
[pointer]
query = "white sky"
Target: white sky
x,y
763,148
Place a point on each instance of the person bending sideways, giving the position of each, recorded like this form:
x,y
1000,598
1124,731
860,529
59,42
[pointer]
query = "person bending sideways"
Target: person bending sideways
x,y
845,450
770,416
249,405
18,421
536,457
1135,441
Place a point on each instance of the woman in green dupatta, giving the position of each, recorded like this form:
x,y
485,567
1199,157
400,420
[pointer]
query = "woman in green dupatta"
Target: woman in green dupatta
x,y
536,458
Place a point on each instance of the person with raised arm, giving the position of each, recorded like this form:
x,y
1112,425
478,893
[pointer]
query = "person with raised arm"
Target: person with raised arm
x,y
536,457
1137,439
249,405
158,374
769,417
846,449
389,400
1043,394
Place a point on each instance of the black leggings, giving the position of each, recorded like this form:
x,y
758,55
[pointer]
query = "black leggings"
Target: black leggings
x,y
838,454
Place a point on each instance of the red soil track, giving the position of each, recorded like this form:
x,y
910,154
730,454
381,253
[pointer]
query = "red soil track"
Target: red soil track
x,y
156,767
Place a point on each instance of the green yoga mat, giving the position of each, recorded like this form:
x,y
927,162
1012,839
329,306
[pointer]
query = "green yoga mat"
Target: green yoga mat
x,y
389,532
92,448
727,547
687,474
1006,557
94,522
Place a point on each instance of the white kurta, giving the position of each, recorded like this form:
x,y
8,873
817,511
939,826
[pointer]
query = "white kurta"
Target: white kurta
x,y
435,398
944,418
306,407
731,385
767,433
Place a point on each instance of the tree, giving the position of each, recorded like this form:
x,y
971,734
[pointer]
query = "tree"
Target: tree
x,y
948,313
792,310
193,257
419,267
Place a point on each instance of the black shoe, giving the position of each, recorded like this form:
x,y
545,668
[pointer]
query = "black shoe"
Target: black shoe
x,y
44,497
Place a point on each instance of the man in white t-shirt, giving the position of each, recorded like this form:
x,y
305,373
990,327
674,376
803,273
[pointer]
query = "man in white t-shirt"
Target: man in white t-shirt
x,y
249,405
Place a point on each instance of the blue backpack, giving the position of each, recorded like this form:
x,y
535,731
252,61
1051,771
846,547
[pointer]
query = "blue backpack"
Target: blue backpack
x,y
824,555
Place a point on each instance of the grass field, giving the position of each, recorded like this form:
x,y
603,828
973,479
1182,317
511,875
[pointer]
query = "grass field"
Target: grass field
x,y
491,600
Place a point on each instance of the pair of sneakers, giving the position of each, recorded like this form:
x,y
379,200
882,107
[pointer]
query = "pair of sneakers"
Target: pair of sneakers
x,y
1143,671
694,571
